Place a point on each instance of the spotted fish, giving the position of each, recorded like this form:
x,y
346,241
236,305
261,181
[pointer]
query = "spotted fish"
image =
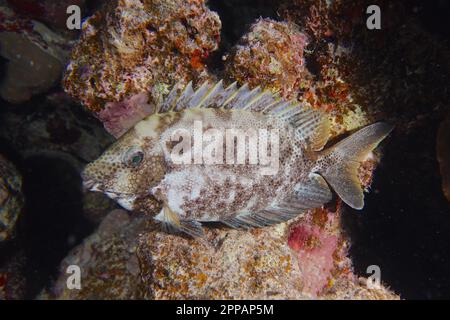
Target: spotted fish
x,y
244,157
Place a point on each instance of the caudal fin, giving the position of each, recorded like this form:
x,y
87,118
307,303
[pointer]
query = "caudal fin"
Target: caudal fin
x,y
341,162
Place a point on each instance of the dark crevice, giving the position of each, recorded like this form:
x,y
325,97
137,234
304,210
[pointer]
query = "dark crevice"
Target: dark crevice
x,y
52,223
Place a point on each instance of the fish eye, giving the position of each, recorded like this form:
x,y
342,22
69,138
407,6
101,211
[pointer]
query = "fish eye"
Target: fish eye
x,y
137,159
133,157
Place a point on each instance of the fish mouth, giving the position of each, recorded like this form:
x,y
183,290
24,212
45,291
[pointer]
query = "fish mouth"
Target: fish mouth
x,y
94,186
118,195
125,200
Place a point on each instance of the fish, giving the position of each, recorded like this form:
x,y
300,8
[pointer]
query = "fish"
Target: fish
x,y
243,157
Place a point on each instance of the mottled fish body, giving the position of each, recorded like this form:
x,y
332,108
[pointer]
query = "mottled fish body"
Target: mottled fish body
x,y
242,157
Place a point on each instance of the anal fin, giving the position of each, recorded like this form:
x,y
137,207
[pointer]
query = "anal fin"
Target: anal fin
x,y
312,193
309,194
263,218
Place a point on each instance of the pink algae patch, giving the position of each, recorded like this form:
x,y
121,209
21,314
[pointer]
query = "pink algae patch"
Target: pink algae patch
x,y
119,117
315,249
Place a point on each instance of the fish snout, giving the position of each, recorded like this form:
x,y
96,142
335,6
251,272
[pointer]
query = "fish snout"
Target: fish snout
x,y
92,185
89,182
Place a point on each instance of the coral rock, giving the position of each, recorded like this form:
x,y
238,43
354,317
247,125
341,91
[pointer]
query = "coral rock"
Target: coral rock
x,y
270,54
118,117
12,277
56,127
131,47
321,250
108,263
240,264
226,264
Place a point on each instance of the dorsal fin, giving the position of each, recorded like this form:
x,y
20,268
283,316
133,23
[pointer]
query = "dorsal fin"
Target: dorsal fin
x,y
311,126
183,100
172,97
199,95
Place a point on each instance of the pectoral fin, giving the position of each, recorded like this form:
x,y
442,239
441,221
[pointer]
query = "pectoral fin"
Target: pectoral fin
x,y
171,222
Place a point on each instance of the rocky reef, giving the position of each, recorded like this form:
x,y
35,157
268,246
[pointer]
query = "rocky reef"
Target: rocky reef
x,y
56,127
133,259
128,56
108,262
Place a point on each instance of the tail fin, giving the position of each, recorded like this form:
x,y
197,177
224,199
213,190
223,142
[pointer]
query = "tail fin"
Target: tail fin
x,y
343,159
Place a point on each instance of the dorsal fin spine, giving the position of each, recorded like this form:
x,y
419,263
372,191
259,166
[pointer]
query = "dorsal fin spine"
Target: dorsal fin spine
x,y
186,93
194,100
211,92
228,90
268,108
234,94
255,99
